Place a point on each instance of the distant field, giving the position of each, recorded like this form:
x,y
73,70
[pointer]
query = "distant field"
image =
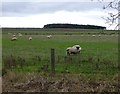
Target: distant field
x,y
99,53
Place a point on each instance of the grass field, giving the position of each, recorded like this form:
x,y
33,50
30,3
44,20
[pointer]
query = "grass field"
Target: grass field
x,y
99,54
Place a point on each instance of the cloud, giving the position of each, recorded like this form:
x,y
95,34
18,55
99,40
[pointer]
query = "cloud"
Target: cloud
x,y
29,8
37,14
40,20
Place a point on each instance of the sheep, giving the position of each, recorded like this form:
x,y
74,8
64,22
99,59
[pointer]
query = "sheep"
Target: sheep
x,y
20,35
99,35
14,35
30,38
93,35
14,38
49,36
73,50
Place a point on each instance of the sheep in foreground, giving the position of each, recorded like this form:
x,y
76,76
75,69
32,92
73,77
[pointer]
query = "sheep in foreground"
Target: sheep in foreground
x,y
49,36
30,38
14,38
73,50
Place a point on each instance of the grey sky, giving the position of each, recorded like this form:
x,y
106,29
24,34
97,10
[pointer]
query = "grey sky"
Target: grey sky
x,y
33,13
29,8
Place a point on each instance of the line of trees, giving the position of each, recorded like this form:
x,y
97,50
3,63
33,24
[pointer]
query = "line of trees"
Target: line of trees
x,y
73,26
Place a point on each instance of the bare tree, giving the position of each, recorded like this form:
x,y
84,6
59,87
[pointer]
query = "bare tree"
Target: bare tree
x,y
119,15
112,18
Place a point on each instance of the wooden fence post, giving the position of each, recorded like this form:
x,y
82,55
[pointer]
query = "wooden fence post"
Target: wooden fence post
x,y
53,60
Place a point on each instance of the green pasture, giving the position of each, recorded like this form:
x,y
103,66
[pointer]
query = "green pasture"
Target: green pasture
x,y
99,54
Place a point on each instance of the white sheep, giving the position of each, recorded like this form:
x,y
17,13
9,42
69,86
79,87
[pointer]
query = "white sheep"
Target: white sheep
x,y
14,35
20,35
93,35
14,38
99,35
49,36
73,50
30,38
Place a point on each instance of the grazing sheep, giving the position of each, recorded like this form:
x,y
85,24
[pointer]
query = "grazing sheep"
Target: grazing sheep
x,y
93,35
99,35
30,38
14,38
14,35
49,36
19,34
73,50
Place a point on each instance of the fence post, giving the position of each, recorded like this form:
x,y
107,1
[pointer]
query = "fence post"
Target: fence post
x,y
53,60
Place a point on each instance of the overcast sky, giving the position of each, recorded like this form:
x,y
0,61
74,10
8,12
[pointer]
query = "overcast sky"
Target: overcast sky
x,y
37,14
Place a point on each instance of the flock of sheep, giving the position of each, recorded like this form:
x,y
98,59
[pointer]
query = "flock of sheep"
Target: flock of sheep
x,y
69,51
14,37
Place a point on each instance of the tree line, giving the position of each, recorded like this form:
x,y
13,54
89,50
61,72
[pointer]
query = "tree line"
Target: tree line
x,y
73,26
